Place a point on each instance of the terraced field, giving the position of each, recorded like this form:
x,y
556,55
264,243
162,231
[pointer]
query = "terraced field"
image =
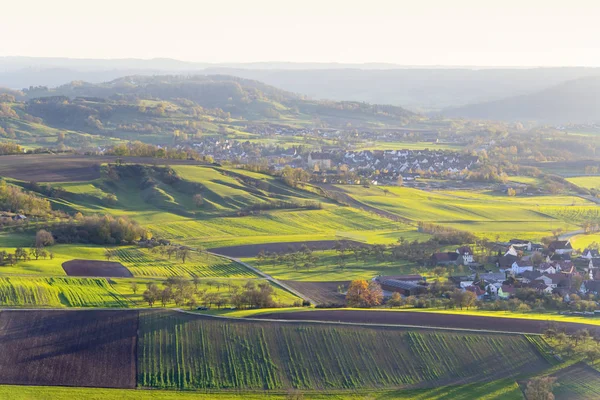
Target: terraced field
x,y
59,292
190,352
143,264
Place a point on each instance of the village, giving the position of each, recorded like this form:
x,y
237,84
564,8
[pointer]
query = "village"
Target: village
x,y
530,272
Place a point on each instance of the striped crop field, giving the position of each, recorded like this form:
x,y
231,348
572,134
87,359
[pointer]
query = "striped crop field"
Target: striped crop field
x,y
59,292
142,263
183,351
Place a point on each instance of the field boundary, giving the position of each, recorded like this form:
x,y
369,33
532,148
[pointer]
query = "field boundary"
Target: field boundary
x,y
267,277
361,324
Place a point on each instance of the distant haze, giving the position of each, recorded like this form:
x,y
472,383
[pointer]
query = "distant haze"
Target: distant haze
x,y
423,32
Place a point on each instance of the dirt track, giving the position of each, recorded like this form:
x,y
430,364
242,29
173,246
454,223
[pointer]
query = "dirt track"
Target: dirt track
x,y
67,168
252,250
431,320
69,348
105,269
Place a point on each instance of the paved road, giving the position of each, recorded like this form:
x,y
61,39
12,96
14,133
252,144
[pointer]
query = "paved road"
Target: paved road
x,y
267,277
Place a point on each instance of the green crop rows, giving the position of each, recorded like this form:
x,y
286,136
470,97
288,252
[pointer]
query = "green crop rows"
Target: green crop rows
x,y
143,263
187,352
59,292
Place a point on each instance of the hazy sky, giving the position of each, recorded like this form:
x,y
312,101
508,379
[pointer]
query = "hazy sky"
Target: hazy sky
x,y
417,32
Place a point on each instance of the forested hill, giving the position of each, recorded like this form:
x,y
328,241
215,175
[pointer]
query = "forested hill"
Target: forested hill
x,y
239,97
575,101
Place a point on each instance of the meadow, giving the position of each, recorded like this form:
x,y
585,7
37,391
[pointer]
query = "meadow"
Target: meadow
x,y
483,213
588,182
326,268
188,352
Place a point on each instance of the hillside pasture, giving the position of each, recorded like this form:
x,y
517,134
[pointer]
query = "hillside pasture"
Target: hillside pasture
x,y
587,182
478,212
68,348
191,352
67,167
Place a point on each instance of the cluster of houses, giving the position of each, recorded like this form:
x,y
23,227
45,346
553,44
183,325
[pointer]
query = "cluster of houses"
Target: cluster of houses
x,y
392,164
551,269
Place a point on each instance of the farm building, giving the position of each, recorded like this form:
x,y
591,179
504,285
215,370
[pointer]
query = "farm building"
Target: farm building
x,y
446,258
561,247
405,288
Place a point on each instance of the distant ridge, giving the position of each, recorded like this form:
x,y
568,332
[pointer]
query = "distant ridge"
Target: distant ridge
x,y
575,101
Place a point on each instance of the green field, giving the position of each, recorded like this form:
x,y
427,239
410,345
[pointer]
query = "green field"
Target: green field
x,y
168,210
59,292
588,182
52,267
505,389
482,213
142,263
326,268
188,352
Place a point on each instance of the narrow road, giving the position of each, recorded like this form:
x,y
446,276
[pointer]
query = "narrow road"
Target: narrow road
x,y
267,277
589,198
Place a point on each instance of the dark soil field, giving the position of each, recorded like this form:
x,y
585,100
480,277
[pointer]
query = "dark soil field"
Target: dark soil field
x,y
68,348
431,320
321,292
66,168
103,269
252,250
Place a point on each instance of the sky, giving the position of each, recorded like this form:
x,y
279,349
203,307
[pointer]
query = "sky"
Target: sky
x,y
417,32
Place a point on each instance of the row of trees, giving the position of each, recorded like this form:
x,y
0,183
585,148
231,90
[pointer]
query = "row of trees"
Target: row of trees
x,y
24,254
184,292
99,230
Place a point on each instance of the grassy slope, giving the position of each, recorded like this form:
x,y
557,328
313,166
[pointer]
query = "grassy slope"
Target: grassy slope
x,y
483,213
248,355
588,182
215,224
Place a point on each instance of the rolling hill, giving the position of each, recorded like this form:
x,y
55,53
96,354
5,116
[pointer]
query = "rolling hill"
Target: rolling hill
x,y
575,101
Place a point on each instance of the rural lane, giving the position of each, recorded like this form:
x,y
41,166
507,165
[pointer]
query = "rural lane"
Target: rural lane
x,y
267,277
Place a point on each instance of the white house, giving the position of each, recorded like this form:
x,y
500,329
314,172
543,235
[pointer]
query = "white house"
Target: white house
x,y
511,252
561,247
548,269
519,267
466,254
